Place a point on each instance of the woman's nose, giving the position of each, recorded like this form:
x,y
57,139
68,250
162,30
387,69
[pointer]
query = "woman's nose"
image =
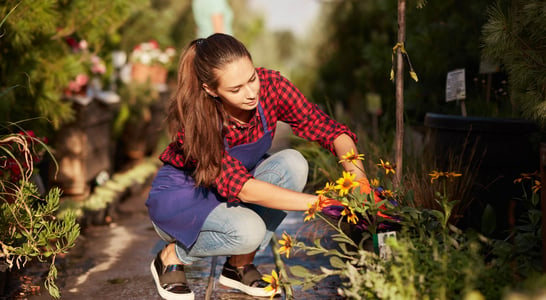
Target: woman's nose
x,y
250,93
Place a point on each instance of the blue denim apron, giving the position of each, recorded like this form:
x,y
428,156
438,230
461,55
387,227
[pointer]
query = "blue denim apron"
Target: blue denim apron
x,y
179,208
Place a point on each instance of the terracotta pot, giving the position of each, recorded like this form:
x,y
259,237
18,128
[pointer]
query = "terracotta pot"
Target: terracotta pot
x,y
154,74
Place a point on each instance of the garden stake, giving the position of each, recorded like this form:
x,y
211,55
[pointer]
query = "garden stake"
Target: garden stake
x,y
543,202
210,285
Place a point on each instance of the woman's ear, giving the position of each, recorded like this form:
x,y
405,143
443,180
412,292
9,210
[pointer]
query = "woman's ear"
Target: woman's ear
x,y
209,91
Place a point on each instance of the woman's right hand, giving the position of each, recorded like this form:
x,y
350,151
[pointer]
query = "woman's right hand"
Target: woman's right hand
x,y
272,196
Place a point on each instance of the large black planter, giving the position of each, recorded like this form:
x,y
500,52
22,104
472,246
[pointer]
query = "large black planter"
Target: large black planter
x,y
3,277
498,149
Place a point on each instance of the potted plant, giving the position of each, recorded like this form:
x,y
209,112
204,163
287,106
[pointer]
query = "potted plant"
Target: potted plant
x,y
150,63
143,94
29,227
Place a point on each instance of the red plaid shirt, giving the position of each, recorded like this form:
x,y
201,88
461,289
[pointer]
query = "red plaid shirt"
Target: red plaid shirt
x,y
281,101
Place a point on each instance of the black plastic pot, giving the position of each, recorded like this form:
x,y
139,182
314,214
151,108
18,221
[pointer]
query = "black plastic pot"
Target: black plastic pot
x,y
498,150
4,272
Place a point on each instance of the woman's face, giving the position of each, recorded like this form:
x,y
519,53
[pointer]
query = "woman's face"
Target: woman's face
x,y
238,88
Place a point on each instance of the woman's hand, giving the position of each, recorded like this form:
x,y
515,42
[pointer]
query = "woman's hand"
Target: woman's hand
x,y
344,144
272,196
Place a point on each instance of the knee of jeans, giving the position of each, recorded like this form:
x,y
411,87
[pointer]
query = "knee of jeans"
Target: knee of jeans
x,y
250,236
297,168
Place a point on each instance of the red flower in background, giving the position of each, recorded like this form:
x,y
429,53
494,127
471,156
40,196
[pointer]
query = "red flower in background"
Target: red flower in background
x,y
17,161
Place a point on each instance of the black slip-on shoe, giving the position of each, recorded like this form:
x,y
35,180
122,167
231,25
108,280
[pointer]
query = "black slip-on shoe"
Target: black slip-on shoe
x,y
170,280
246,279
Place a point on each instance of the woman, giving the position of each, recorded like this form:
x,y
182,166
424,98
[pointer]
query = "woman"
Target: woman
x,y
219,191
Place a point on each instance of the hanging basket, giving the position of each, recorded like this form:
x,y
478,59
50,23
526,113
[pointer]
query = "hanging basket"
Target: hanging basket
x,y
154,74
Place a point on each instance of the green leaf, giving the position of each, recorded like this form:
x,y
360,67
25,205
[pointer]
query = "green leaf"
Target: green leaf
x,y
326,271
489,220
438,215
299,271
336,262
314,252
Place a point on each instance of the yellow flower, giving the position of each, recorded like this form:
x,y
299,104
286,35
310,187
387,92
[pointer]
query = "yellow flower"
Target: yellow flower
x,y
350,213
345,183
351,157
274,283
387,166
387,193
312,210
328,187
374,182
286,243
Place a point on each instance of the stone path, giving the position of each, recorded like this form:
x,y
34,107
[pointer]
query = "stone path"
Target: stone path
x,y
113,261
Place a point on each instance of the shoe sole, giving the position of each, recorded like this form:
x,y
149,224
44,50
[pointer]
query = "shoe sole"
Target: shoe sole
x,y
252,291
166,294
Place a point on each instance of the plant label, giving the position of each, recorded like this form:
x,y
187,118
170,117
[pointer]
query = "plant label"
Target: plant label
x,y
455,85
379,243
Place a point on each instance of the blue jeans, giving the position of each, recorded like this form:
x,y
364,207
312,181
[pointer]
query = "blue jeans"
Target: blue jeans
x,y
245,228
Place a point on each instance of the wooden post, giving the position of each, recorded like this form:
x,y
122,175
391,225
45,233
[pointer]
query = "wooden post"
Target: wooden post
x,y
399,139
543,201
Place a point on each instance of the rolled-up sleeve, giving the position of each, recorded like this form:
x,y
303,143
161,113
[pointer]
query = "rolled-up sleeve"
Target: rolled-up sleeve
x,y
307,120
232,178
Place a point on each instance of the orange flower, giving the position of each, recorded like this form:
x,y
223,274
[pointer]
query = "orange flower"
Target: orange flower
x,y
435,175
286,243
351,157
274,283
537,186
526,176
346,183
387,166
452,175
324,201
365,187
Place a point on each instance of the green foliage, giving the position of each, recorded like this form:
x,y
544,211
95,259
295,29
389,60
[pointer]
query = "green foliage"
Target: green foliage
x,y
514,37
321,163
135,108
29,226
355,57
36,64
429,257
114,188
168,22
524,244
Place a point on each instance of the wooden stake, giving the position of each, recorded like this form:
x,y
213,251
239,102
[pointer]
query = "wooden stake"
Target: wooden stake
x,y
399,139
543,201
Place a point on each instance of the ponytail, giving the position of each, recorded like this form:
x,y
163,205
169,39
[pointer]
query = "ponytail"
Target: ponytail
x,y
192,111
195,113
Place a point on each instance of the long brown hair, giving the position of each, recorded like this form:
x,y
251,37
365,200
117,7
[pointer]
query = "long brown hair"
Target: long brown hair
x,y
194,112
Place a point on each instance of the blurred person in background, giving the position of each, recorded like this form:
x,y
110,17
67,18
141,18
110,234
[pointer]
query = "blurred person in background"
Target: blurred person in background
x,y
212,16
